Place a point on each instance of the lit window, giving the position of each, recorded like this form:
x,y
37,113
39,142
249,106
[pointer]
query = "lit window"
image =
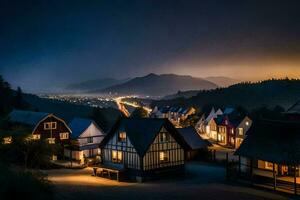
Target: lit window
x,y
268,165
164,137
232,131
122,136
7,140
116,156
36,136
89,140
241,131
64,136
50,125
51,140
163,156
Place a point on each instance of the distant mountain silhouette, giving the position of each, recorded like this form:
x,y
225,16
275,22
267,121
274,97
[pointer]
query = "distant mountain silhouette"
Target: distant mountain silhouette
x,y
283,92
96,84
159,85
222,81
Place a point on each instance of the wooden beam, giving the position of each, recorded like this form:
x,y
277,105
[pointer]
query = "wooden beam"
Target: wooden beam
x,y
239,165
274,177
251,170
295,180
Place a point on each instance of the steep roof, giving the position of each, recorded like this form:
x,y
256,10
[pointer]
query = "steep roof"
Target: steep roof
x,y
27,117
273,141
193,139
79,125
142,132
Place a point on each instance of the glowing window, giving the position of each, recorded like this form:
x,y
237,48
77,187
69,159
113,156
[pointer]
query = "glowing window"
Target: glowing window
x,y
36,136
241,131
7,140
50,125
64,136
116,156
163,156
51,140
122,137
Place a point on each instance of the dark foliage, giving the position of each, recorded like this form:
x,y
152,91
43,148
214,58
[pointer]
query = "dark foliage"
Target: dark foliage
x,y
23,185
139,113
269,93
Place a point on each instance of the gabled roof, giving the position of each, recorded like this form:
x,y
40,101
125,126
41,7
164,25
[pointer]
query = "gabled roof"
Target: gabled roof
x,y
79,125
193,139
27,117
273,141
142,132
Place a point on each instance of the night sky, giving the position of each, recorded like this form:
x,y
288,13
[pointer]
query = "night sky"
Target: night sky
x,y
48,44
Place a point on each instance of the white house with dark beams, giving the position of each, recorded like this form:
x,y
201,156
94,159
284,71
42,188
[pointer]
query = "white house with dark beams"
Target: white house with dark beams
x,y
141,148
86,137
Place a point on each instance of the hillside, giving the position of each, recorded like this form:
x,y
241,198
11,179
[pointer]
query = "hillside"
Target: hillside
x,y
159,85
222,81
269,93
106,117
96,84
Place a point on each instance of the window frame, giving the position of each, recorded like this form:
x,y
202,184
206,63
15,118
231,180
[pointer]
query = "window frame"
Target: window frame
x,y
116,156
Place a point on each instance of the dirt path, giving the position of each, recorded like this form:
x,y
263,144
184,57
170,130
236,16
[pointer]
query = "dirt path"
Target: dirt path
x,y
202,182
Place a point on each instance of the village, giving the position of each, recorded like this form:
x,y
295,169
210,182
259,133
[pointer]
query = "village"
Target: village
x,y
146,149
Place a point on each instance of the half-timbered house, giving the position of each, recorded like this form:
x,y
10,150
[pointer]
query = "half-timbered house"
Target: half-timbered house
x,y
143,148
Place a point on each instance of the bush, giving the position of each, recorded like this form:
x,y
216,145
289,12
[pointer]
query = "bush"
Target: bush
x,y
23,185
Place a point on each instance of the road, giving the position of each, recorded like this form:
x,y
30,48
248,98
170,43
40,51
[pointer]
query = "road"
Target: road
x,y
121,105
200,182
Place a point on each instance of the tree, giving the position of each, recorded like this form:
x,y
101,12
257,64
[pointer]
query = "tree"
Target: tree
x,y
19,103
139,113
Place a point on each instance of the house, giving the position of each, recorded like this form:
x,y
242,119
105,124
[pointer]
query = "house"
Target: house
x,y
86,137
223,127
200,125
273,146
209,123
143,148
241,131
174,113
43,125
195,142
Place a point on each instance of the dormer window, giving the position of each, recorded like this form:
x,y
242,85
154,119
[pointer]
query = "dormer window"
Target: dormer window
x,y
50,125
122,136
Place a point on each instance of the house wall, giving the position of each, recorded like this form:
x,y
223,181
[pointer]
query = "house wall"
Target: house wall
x,y
54,133
91,131
175,153
129,155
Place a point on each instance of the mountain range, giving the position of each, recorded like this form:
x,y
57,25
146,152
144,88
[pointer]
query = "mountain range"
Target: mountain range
x,y
96,84
151,85
159,85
